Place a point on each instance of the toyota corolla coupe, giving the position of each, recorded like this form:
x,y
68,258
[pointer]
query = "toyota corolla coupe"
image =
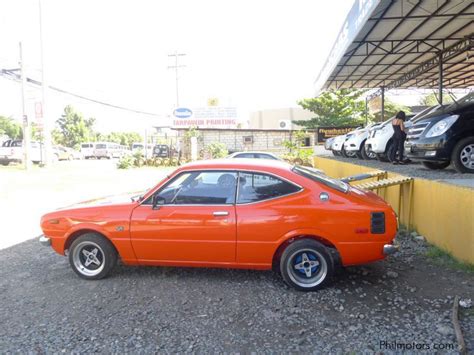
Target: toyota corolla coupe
x,y
230,213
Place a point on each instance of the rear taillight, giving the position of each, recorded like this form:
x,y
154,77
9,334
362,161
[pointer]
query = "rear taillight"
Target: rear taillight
x,y
377,223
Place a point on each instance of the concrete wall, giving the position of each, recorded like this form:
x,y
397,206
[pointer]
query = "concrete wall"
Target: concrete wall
x,y
261,140
442,213
269,119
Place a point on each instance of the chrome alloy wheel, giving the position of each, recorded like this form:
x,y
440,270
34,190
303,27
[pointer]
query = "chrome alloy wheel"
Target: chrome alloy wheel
x,y
88,258
307,268
467,156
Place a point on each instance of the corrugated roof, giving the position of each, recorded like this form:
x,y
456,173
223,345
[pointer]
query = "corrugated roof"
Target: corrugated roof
x,y
401,43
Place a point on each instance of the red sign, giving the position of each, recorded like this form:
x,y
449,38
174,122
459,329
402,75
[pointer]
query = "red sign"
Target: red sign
x,y
39,110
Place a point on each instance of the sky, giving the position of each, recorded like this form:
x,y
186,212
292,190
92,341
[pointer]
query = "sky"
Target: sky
x,y
253,54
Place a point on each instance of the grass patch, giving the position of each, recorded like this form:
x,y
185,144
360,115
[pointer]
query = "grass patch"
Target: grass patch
x,y
443,258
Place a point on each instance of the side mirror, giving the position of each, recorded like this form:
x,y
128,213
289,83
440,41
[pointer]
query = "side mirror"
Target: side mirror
x,y
157,201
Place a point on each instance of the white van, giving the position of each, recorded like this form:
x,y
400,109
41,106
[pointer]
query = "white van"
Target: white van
x,y
107,150
148,150
87,150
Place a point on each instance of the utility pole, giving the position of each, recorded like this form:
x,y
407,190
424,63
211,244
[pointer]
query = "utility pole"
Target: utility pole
x,y
46,131
26,127
175,67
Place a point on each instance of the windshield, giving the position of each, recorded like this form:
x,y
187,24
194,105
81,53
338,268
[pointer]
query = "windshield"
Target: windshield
x,y
101,146
468,99
324,179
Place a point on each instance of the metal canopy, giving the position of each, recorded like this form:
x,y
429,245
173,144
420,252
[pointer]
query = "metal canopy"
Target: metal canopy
x,y
404,43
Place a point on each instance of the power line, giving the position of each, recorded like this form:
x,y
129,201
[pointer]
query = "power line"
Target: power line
x,y
12,75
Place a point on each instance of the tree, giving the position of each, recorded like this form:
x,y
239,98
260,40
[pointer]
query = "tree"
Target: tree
x,y
432,100
391,109
123,138
335,108
72,129
10,128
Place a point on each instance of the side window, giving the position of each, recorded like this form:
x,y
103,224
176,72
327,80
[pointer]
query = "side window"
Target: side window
x,y
255,187
244,155
199,188
265,156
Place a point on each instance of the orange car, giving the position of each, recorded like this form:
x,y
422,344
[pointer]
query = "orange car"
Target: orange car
x,y
242,213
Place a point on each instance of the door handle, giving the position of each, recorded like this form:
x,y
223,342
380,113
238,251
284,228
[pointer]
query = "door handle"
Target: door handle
x,y
221,213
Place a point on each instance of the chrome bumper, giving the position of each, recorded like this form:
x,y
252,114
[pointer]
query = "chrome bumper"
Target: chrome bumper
x,y
44,240
389,249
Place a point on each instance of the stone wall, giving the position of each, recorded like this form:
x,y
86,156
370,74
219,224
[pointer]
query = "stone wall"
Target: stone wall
x,y
246,140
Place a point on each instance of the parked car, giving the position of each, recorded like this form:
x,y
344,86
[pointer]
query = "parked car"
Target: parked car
x,y
380,140
254,155
146,150
87,150
230,213
107,150
65,153
356,143
11,151
338,145
328,144
161,151
445,136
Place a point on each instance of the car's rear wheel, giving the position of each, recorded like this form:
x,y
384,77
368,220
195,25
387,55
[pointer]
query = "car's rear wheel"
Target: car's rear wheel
x,y
463,155
306,265
436,165
92,256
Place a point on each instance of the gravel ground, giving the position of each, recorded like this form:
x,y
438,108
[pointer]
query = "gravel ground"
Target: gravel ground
x,y
406,299
414,169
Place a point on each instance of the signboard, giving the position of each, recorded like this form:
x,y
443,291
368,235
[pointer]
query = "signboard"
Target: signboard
x,y
324,133
205,117
38,110
357,17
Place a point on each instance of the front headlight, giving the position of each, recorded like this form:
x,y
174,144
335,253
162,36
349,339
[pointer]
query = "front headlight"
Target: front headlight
x,y
441,126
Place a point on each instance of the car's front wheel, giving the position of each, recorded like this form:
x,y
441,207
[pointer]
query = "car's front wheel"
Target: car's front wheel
x,y
92,256
463,155
306,265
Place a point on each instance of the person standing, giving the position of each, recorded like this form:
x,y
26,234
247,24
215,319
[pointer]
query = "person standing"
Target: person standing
x,y
399,136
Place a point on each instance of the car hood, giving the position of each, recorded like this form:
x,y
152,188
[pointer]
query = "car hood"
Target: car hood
x,y
120,199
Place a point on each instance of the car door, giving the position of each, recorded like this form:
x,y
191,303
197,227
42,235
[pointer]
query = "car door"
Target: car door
x,y
267,208
193,221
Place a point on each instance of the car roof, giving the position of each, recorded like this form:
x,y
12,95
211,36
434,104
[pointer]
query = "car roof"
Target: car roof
x,y
252,152
243,163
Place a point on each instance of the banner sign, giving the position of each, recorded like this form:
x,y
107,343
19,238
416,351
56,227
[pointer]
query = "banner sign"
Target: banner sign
x,y
205,117
324,133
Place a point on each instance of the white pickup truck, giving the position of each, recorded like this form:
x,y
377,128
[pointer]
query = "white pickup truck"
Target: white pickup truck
x,y
11,151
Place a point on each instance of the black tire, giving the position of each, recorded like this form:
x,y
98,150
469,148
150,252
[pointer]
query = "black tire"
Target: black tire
x,y
433,165
303,257
364,152
344,153
462,156
92,256
4,163
336,153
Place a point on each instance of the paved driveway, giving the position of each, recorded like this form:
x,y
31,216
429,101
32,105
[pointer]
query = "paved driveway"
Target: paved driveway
x,y
26,196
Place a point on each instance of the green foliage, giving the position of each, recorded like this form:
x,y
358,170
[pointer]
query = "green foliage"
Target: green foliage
x,y
123,138
334,108
72,129
217,150
192,132
431,100
445,259
10,128
125,162
391,110
296,152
